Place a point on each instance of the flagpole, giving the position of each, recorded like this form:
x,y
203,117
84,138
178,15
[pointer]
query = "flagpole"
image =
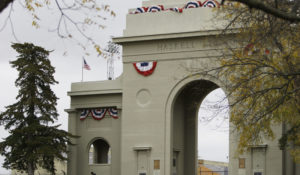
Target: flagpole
x,y
82,70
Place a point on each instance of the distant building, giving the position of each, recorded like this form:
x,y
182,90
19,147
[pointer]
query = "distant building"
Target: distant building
x,y
61,169
207,167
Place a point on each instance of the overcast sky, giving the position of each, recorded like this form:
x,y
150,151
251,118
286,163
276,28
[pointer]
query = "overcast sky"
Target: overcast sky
x,y
67,60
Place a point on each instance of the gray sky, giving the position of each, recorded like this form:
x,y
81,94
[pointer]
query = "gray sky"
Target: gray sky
x,y
68,68
213,127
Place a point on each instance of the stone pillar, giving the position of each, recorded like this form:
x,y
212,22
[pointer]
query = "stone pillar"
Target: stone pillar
x,y
72,150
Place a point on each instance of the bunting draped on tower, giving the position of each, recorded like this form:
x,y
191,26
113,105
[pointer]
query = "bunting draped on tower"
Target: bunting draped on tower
x,y
84,114
113,112
99,113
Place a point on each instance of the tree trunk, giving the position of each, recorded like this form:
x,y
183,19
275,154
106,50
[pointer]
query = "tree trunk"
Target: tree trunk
x,y
30,170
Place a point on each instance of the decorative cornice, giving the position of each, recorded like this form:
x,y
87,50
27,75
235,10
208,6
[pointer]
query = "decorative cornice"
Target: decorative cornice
x,y
128,39
95,92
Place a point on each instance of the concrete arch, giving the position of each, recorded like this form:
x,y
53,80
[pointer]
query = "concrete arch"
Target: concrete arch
x,y
188,79
175,92
101,153
93,140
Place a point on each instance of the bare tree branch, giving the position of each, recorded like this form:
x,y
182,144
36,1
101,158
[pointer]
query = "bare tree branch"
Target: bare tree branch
x,y
267,8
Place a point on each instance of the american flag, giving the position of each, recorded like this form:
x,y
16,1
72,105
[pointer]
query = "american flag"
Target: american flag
x,y
85,65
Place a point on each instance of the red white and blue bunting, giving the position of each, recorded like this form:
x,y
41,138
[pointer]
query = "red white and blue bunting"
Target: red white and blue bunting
x,y
84,114
176,9
145,68
210,3
113,112
140,10
191,4
156,8
99,113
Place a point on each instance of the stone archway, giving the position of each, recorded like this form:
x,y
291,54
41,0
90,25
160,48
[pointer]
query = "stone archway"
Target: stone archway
x,y
143,139
181,120
185,126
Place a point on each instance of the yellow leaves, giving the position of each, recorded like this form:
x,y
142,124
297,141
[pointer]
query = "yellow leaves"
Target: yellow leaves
x,y
106,7
229,15
98,50
236,5
296,154
85,1
261,76
38,4
29,4
101,26
35,16
29,7
112,13
87,21
295,54
257,83
35,24
47,2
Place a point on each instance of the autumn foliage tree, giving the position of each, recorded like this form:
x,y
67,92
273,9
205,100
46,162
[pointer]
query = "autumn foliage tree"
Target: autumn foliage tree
x,y
263,69
32,141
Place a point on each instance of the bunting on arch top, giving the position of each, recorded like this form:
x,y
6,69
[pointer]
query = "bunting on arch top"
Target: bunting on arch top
x,y
193,4
190,4
155,8
211,4
99,113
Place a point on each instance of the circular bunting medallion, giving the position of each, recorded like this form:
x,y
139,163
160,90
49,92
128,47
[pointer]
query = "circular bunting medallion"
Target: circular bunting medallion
x,y
145,68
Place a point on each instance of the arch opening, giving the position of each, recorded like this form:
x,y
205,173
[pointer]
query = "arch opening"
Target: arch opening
x,y
213,134
99,152
184,126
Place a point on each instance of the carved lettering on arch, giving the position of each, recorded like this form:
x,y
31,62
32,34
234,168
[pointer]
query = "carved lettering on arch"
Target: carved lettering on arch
x,y
175,46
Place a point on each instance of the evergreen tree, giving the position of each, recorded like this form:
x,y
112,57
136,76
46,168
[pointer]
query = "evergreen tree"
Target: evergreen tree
x,y
32,142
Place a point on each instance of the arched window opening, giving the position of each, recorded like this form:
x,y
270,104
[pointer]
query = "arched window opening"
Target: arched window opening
x,y
99,152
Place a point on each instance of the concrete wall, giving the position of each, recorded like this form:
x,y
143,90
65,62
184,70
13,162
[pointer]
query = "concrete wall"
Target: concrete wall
x,y
153,108
89,130
178,134
275,161
153,127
